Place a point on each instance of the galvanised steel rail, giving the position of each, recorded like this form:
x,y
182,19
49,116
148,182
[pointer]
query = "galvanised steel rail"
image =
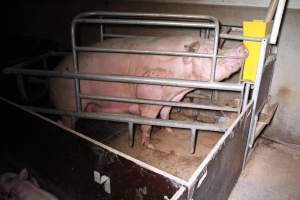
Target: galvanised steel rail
x,y
150,52
158,102
128,79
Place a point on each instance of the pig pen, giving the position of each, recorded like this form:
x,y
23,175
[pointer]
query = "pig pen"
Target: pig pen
x,y
198,160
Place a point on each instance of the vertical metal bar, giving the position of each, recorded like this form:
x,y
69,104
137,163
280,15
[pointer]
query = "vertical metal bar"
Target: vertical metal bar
x,y
271,10
207,33
202,32
215,52
245,96
260,69
214,58
75,63
277,21
101,32
193,140
130,134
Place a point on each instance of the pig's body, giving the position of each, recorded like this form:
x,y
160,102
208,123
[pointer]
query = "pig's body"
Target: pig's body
x,y
18,187
189,68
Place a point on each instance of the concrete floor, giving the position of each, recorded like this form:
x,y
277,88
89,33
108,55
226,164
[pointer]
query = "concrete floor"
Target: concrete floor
x,y
273,172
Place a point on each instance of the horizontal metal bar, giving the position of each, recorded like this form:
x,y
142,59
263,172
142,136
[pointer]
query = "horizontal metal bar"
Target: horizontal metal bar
x,y
151,52
31,60
222,35
146,22
132,119
126,36
59,53
158,102
145,15
38,58
129,79
239,37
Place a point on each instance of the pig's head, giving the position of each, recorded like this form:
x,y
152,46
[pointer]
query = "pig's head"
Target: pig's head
x,y
9,180
225,66
228,66
6,181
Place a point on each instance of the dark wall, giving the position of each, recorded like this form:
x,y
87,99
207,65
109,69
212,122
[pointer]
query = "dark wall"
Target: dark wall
x,y
34,23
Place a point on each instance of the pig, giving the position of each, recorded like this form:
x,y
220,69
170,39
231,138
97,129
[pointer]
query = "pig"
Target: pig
x,y
178,67
18,187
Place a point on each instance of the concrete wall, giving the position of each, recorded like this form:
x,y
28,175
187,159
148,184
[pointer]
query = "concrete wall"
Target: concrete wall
x,y
52,20
286,82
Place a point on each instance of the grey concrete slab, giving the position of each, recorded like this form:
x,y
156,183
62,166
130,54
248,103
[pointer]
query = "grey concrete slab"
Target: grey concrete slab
x,y
273,172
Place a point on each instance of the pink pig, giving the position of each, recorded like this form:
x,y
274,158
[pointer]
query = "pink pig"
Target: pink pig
x,y
178,67
17,187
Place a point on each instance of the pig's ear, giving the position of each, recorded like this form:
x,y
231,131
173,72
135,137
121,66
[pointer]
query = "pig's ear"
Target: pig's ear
x,y
193,47
23,174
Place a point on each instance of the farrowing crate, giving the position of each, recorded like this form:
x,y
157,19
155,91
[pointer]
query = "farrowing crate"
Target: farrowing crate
x,y
225,158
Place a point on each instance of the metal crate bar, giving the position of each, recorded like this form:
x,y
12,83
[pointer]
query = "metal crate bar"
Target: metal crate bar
x,y
151,52
156,19
222,35
127,118
240,37
158,102
146,22
128,79
39,58
133,15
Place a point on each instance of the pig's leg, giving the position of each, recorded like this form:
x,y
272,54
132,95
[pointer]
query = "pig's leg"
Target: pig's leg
x,y
68,121
145,91
150,112
165,114
146,133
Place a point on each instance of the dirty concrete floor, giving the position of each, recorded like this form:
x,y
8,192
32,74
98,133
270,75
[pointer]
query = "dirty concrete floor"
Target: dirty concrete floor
x,y
172,150
273,172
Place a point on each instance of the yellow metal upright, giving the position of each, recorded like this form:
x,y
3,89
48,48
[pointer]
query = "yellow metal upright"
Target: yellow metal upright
x,y
254,28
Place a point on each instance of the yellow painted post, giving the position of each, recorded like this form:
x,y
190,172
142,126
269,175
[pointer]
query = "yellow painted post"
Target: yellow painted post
x,y
254,28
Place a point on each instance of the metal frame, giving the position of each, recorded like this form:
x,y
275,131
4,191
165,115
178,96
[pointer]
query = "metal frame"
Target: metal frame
x,y
149,19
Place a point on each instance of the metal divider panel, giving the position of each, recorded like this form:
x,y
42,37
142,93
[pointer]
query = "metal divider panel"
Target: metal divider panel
x,y
73,167
222,172
265,84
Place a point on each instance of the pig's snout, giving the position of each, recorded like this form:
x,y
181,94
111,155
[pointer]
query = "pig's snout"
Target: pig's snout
x,y
242,51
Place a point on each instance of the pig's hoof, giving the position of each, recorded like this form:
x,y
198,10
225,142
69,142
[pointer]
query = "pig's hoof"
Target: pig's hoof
x,y
149,145
169,130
